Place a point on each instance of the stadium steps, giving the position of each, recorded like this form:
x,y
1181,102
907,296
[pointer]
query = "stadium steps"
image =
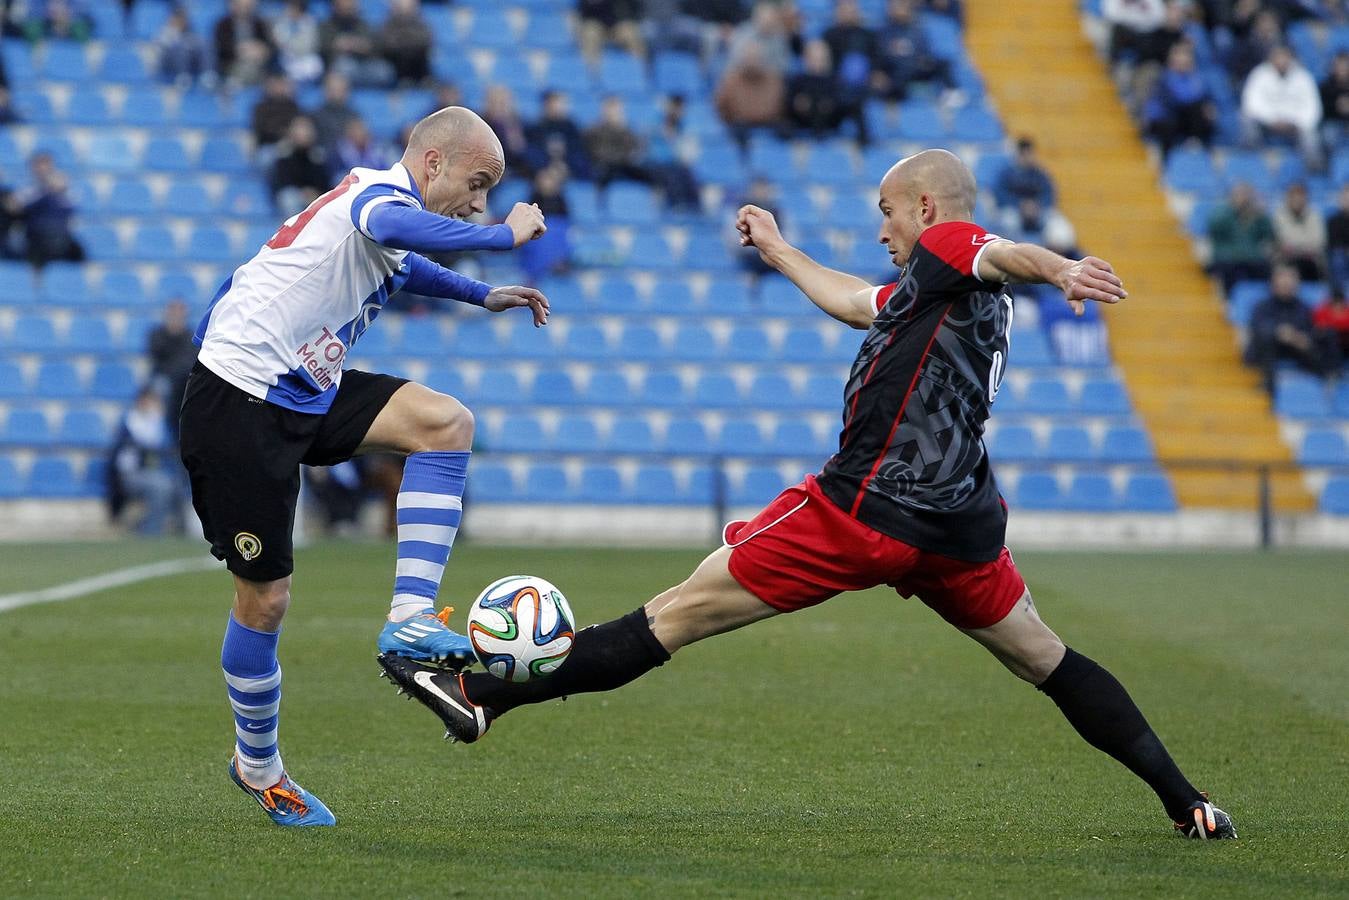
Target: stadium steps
x,y
1171,340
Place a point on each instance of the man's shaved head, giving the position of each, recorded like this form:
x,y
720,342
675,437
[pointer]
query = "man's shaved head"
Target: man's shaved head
x,y
455,158
937,172
921,191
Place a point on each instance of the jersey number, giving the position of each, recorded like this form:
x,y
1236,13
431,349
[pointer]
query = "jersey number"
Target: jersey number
x,y
999,366
286,234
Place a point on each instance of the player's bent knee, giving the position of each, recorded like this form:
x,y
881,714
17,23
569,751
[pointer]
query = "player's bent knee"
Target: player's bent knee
x,y
444,424
261,604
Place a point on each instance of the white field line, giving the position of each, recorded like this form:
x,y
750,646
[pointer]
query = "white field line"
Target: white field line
x,y
115,578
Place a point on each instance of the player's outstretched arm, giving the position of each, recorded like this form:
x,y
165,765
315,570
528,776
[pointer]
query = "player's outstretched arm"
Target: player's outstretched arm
x,y
431,280
1089,278
845,297
403,227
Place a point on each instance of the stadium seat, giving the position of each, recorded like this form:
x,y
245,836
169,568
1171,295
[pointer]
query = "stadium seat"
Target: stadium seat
x,y
822,392
1089,492
715,390
33,334
740,437
155,243
129,196
1013,443
608,388
1070,443
794,437
122,287
759,485
622,73
641,342
112,381
661,388
12,381
1324,448
11,484
188,198
1103,397
1038,490
493,482
210,244
772,390
655,484
678,73
695,343
83,428
497,387
58,380
1046,396
976,124
442,379
26,426
1301,397
601,483
554,387
110,152
547,30
88,106
686,435
53,478
805,344
64,284
65,61
1126,443
630,203
1335,496
1148,492
920,121
546,483
122,63
518,433
223,155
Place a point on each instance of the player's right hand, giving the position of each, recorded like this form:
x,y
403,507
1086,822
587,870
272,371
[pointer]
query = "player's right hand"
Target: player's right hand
x,y
1090,278
526,222
759,229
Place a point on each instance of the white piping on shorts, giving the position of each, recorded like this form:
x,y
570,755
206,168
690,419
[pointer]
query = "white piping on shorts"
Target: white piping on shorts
x,y
760,531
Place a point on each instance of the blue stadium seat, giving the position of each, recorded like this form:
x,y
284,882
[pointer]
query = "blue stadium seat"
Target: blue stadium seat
x,y
443,379
1031,348
155,243
26,427
144,107
641,342
607,389
1048,396
794,437
719,162
1324,448
759,485
18,284
1301,397
210,244
518,433
53,477
805,344
678,73
58,380
554,387
546,483
575,434
630,203
1148,492
64,284
1089,492
122,287
167,154
60,148
130,197
830,163
83,428
920,121
88,106
650,250
113,381
716,390
822,391
1249,167
601,483
707,251
498,387
122,63
1126,443
1104,397
11,485
655,484
34,334
1070,443
223,155
621,73
567,72
686,435
493,482
12,382
976,124
1038,490
1191,170
547,30
631,435
188,197
740,437
65,61
770,157
661,389
111,152
1013,443
491,28
1335,497
695,342
772,390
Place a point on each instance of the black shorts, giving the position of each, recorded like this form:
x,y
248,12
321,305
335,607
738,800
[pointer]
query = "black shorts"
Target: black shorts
x,y
243,457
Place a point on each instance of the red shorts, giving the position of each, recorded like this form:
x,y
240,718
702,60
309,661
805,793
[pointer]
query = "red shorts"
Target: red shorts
x,y
802,549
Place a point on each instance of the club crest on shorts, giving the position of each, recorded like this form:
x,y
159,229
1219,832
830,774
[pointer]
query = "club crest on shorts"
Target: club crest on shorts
x,y
247,544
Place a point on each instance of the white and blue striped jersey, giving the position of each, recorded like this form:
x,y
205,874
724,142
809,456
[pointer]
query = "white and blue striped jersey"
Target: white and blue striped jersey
x,y
280,327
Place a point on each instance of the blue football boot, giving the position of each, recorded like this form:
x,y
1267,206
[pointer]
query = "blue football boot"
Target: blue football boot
x,y
286,802
426,637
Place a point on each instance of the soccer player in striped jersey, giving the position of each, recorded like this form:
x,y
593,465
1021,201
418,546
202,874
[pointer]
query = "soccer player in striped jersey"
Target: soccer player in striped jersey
x,y
909,499
269,393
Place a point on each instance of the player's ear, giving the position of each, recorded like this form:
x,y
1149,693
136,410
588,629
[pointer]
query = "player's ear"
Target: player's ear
x,y
432,160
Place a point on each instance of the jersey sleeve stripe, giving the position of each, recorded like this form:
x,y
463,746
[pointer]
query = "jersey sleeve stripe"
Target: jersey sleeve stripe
x,y
974,266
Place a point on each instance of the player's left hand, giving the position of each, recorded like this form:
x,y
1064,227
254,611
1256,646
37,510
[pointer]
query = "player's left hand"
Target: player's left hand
x,y
1090,278
511,296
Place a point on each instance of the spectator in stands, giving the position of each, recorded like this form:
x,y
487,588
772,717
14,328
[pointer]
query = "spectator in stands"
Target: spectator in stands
x,y
272,114
405,41
555,138
182,52
1135,30
332,115
340,492
500,113
610,22
64,20
300,172
906,53
1282,329
1281,102
951,9
671,26
243,44
171,354
750,95
9,217
8,114
615,149
1337,240
765,38
143,466
46,209
664,163
1242,238
1300,234
1332,317
551,253
358,148
296,33
1181,107
1023,178
1256,33
447,94
1335,102
815,103
855,51
349,46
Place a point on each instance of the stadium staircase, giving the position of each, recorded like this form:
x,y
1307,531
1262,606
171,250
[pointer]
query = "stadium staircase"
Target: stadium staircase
x,y
1171,341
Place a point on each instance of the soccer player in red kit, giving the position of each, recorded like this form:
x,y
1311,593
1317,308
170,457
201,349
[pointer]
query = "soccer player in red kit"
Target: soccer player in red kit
x,y
909,500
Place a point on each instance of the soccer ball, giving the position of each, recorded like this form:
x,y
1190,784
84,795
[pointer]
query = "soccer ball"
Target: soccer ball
x,y
521,628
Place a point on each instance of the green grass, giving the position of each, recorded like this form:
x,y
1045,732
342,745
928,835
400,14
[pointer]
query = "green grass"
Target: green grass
x,y
862,748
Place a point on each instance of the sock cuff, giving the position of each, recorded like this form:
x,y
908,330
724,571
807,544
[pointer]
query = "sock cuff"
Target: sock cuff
x,y
637,623
247,652
1069,672
436,471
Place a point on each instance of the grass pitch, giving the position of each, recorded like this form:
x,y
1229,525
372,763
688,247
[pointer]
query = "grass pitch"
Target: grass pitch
x,y
862,748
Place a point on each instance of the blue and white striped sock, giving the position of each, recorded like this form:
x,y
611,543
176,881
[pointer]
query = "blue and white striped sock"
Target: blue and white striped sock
x,y
430,505
253,678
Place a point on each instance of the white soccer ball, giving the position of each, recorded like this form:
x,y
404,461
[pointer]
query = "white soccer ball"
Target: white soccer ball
x,y
521,628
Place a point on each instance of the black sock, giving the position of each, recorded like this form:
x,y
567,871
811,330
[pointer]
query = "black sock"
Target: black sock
x,y
604,657
1102,711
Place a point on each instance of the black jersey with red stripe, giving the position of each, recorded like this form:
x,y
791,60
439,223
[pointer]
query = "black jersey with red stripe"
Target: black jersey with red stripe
x,y
911,461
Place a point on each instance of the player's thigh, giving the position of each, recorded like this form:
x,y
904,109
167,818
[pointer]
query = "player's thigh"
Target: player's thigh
x,y
709,602
411,418
1022,642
